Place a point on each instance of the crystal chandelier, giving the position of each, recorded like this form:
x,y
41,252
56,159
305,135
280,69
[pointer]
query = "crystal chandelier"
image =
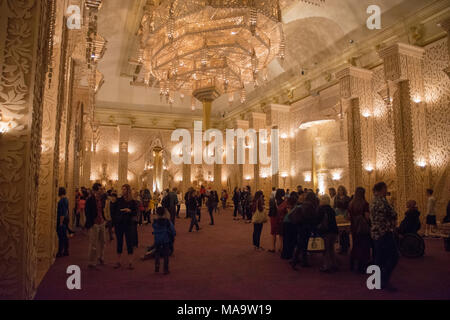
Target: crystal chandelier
x,y
208,47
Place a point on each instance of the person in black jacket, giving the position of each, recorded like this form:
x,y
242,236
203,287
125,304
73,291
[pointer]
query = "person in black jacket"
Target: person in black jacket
x,y
329,230
122,213
96,226
211,204
192,204
237,203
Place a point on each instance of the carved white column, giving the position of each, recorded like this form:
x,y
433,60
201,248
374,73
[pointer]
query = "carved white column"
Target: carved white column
x,y
403,67
240,170
257,122
357,96
124,136
279,118
23,35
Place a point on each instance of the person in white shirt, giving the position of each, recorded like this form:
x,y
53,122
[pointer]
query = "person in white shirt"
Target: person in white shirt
x,y
333,193
431,213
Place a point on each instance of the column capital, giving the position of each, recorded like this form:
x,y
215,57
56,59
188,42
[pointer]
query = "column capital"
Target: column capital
x,y
350,79
355,72
398,60
279,107
404,49
124,132
241,124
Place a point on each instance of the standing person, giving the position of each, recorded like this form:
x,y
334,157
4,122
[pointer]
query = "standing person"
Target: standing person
x,y
289,228
61,224
359,213
199,199
282,210
246,200
81,210
341,202
109,225
306,219
224,198
384,221
146,198
332,192
431,213
237,203
211,204
164,233
259,218
172,204
202,195
275,221
186,197
95,224
299,190
288,193
329,230
191,209
124,213
179,202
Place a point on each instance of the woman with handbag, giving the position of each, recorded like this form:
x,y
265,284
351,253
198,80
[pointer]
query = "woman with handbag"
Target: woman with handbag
x,y
329,231
259,217
360,229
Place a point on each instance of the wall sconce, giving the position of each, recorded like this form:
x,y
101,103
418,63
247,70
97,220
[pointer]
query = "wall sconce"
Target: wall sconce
x,y
417,99
336,174
284,136
369,168
308,176
422,164
366,114
6,126
248,178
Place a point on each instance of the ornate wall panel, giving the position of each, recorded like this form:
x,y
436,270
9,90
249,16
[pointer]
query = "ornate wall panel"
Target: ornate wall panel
x,y
437,99
23,65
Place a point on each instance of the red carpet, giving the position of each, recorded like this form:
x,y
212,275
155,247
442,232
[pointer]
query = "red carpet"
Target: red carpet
x,y
219,262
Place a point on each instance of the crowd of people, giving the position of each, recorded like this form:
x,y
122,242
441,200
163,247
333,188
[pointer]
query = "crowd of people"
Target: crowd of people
x,y
297,219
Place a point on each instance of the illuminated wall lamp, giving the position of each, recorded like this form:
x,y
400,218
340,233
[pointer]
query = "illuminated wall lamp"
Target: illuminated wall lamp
x,y
422,164
369,168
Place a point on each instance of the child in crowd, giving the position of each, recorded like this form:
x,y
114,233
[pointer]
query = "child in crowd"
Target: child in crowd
x,y
164,233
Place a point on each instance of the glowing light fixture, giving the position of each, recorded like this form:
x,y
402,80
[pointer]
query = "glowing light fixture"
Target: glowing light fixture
x,y
309,124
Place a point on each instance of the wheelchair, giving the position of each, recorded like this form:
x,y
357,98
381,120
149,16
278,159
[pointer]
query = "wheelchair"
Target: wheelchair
x,y
411,245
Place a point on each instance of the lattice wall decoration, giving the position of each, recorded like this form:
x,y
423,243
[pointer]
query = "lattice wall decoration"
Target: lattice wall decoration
x,y
437,99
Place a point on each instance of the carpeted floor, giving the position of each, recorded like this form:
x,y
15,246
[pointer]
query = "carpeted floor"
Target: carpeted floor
x,y
219,262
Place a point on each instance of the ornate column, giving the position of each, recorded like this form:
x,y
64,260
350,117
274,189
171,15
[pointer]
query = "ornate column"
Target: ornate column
x,y
357,98
403,68
23,67
49,162
257,122
279,118
124,136
240,170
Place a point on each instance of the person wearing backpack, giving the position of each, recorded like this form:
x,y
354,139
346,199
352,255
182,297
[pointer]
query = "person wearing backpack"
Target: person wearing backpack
x,y
329,231
164,233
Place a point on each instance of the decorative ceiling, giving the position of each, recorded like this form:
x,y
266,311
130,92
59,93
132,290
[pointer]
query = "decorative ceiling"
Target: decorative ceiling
x,y
313,34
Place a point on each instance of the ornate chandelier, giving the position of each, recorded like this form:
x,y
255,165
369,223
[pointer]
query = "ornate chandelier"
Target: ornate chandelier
x,y
208,47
